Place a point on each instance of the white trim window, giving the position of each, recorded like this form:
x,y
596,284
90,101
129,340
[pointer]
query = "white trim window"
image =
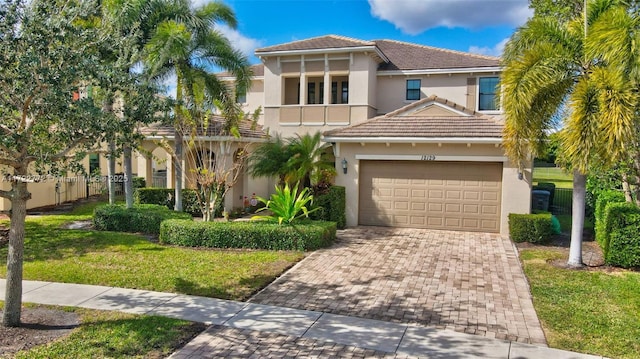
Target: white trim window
x,y
488,89
413,90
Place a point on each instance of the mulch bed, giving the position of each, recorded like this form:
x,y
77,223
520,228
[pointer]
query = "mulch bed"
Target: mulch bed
x,y
39,326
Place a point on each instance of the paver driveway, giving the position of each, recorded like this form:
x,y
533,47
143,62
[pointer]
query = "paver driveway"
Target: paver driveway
x,y
468,282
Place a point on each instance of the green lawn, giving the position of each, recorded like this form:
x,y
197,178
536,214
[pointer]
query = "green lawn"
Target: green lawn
x,y
130,261
104,334
554,175
585,311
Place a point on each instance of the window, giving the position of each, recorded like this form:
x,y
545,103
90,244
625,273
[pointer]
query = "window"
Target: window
x,y
345,92
340,90
488,94
315,90
241,97
94,163
413,90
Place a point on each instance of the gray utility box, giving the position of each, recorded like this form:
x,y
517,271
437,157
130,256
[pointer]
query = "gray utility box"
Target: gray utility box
x,y
540,200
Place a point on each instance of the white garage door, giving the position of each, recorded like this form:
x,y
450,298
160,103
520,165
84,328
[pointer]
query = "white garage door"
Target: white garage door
x,y
463,196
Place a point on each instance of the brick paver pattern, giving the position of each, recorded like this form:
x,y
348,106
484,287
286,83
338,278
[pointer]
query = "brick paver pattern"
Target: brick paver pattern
x,y
224,342
467,282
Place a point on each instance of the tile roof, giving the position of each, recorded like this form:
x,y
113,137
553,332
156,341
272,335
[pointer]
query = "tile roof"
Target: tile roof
x,y
401,55
408,56
247,129
258,71
321,42
401,123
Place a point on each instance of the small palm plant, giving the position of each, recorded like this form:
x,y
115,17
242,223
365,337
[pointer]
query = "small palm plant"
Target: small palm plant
x,y
287,205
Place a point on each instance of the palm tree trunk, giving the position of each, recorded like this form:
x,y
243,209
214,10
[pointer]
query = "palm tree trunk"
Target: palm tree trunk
x,y
13,292
577,221
626,188
128,177
178,171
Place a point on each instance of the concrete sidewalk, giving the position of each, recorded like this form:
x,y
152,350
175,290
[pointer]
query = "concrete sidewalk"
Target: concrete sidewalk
x,y
254,330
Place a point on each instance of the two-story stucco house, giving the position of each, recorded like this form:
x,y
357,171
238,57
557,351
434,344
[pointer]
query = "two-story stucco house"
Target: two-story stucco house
x,y
416,130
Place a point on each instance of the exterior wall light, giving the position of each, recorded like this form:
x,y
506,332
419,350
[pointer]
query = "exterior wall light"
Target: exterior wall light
x,y
520,175
344,165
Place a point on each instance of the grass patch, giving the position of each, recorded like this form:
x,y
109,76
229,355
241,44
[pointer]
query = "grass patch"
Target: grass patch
x,y
554,175
130,261
585,311
103,334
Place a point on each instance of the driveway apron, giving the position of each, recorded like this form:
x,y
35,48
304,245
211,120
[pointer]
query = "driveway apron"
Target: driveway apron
x,y
462,281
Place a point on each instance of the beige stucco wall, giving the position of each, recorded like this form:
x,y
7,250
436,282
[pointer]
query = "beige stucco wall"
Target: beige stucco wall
x,y
360,69
516,193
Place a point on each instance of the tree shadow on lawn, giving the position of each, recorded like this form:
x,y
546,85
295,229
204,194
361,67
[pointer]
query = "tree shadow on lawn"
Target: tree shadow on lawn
x,y
47,242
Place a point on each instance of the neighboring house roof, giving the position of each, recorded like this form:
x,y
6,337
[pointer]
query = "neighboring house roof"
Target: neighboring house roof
x,y
422,120
321,42
248,129
258,71
408,56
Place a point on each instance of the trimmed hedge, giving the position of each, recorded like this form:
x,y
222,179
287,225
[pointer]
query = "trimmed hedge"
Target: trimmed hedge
x,y
332,206
534,228
620,235
604,198
256,235
165,197
145,218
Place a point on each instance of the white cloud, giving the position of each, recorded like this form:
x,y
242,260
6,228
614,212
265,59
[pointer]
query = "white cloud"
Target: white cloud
x,y
416,16
240,42
491,51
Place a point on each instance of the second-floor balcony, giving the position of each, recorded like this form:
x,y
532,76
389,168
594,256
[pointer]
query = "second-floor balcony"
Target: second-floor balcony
x,y
318,115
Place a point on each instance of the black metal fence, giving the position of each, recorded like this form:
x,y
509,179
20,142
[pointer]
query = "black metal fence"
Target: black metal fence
x,y
562,201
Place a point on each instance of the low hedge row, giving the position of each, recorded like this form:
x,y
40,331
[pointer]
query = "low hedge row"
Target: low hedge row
x,y
619,235
256,235
332,205
604,198
145,218
166,197
534,228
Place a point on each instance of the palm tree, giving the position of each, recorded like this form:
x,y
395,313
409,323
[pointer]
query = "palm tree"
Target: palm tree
x,y
296,159
309,158
550,61
188,46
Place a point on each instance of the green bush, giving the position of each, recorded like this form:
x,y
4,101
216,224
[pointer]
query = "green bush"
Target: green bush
x,y
534,228
620,236
165,197
139,182
307,235
145,218
604,198
332,203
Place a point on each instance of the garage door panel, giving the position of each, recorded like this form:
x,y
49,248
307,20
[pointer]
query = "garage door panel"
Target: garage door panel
x,y
438,195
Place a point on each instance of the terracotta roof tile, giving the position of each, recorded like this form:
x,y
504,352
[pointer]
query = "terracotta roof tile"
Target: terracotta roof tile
x,y
321,42
408,56
247,129
401,124
258,71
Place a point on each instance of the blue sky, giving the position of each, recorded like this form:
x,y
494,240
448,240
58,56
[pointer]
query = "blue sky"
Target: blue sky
x,y
479,26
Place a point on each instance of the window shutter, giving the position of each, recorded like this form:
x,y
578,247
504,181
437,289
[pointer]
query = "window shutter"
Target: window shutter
x,y
471,93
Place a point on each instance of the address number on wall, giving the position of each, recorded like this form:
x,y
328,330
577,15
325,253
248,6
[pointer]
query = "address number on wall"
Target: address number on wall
x,y
428,157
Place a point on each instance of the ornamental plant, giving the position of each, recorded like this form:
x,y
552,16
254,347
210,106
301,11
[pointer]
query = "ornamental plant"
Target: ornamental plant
x,y
287,205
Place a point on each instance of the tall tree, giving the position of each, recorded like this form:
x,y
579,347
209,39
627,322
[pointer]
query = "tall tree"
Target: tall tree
x,y
553,59
189,47
44,57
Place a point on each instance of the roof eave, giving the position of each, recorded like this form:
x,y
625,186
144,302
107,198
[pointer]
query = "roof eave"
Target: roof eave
x,y
465,140
461,70
324,51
